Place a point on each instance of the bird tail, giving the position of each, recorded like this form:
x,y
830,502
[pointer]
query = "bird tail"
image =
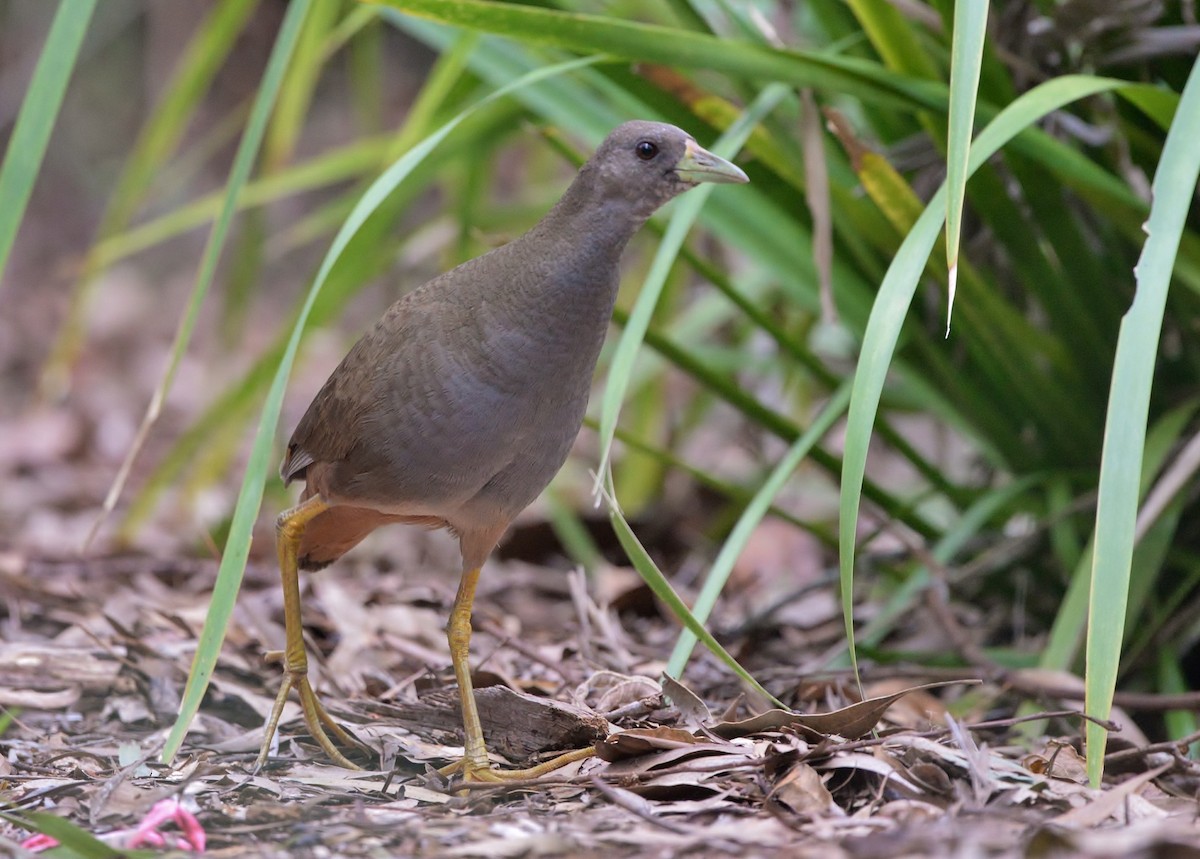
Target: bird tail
x,y
339,529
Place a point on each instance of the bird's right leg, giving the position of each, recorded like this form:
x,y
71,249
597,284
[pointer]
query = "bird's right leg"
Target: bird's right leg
x,y
289,530
474,765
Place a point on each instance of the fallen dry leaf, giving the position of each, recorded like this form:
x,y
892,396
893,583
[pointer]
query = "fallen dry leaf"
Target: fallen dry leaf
x,y
851,722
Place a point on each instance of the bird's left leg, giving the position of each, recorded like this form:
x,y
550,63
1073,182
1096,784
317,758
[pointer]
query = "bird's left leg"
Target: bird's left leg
x,y
289,531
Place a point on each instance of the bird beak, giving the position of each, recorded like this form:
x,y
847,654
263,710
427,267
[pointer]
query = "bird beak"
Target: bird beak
x,y
700,165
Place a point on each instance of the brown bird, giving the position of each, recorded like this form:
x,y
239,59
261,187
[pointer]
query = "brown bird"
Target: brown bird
x,y
457,408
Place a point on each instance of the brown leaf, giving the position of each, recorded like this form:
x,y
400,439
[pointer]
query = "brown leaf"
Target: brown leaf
x,y
851,722
1109,803
695,712
641,741
605,691
804,792
1060,761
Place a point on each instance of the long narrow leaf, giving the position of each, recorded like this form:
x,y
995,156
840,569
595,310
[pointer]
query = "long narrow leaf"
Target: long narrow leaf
x,y
658,583
966,57
893,37
891,307
73,841
31,134
1128,408
736,542
243,162
684,48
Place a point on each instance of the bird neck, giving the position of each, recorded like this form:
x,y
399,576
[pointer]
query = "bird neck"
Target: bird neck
x,y
593,209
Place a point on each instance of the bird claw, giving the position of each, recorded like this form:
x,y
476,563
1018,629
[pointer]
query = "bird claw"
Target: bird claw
x,y
316,720
482,772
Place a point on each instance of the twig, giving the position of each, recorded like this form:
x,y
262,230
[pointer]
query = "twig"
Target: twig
x,y
1144,751
619,799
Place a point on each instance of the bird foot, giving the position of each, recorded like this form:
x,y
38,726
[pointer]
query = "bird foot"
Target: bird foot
x,y
316,719
481,771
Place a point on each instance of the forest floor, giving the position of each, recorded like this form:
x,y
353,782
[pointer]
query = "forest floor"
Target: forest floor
x,y
95,654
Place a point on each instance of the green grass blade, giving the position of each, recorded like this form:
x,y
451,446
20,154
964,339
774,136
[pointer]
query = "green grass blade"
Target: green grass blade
x,y
1173,681
297,87
973,521
31,134
158,139
966,58
681,48
497,60
243,162
73,841
237,548
891,307
328,168
687,209
751,516
893,37
1128,409
658,583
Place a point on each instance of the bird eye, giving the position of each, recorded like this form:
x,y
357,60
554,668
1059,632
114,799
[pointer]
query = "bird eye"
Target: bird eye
x,y
645,150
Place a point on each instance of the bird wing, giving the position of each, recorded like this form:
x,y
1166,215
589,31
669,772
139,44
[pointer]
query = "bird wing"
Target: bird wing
x,y
332,426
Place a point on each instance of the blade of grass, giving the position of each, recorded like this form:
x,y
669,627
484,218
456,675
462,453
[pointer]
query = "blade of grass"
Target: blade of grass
x,y
752,515
662,589
893,38
1173,681
329,168
1128,409
966,58
297,87
35,121
237,548
891,307
199,64
682,48
73,841
243,162
497,61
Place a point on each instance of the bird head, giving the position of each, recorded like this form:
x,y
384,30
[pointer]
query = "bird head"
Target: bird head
x,y
648,163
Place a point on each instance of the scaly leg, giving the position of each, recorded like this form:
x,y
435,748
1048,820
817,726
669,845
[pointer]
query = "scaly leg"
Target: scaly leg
x,y
289,529
474,765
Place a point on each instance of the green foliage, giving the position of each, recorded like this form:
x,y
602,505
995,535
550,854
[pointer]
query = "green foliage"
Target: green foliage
x,y
74,842
39,109
1045,377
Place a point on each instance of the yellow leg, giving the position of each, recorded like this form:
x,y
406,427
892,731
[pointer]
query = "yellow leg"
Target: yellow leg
x,y
289,529
474,765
